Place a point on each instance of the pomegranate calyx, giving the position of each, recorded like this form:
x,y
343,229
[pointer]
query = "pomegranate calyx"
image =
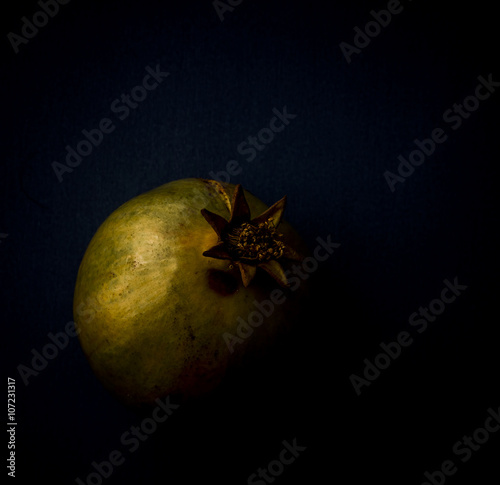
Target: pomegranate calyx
x,y
251,243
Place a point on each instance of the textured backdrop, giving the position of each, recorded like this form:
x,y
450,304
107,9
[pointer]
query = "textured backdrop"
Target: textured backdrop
x,y
361,87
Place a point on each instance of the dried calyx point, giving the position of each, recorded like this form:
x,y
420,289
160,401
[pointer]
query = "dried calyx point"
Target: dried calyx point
x,y
251,243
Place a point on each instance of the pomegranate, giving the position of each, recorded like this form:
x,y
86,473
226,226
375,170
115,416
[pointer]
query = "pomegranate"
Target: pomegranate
x,y
181,285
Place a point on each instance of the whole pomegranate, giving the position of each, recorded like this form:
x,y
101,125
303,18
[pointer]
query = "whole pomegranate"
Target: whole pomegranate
x,y
182,284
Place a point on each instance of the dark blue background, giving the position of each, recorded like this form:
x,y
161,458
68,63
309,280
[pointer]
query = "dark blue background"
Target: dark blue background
x,y
352,121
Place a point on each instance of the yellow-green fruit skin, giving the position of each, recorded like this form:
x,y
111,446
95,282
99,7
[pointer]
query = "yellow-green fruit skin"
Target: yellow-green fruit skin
x,y
152,311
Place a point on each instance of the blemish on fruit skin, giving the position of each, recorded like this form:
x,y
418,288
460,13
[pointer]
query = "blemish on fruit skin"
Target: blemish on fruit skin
x,y
222,282
219,189
192,336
